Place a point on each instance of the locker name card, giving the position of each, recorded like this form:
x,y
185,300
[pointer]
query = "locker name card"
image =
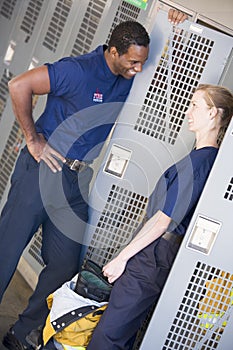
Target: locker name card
x,y
203,234
117,161
10,52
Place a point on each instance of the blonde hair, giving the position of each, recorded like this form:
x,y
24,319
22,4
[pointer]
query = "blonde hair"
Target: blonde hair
x,y
221,98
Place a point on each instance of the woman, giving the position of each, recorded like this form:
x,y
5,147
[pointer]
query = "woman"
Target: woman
x,y
141,269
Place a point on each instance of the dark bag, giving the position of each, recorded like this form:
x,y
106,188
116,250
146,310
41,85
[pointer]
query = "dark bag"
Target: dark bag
x,y
92,284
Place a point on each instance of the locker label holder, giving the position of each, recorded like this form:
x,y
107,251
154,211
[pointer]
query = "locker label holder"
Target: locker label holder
x,y
203,234
117,161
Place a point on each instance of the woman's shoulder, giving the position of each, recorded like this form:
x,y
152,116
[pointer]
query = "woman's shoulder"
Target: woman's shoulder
x,y
203,160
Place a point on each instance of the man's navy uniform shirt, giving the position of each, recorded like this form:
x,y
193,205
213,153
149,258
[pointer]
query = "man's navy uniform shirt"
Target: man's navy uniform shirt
x,y
84,101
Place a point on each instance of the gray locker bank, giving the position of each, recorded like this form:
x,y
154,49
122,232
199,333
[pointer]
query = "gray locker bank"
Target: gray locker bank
x,y
150,134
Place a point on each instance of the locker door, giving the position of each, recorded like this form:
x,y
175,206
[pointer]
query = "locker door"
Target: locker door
x,y
24,35
198,314
151,132
9,10
88,24
41,32
17,56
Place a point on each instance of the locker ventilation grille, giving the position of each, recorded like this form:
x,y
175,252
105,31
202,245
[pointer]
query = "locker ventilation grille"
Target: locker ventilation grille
x,y
121,215
4,90
179,70
124,12
35,247
7,8
203,313
57,24
30,17
229,192
88,27
9,156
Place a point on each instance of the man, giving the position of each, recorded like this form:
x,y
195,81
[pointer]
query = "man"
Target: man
x,y
51,179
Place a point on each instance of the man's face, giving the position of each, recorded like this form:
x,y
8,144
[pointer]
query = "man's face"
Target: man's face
x,y
130,63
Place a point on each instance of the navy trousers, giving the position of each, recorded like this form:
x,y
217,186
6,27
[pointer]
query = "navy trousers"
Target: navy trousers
x,y
133,295
58,202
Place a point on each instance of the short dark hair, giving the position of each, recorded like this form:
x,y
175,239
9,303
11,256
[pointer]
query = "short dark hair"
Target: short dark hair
x,y
126,34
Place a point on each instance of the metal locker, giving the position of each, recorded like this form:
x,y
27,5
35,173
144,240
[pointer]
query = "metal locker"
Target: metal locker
x,y
46,32
119,11
68,31
64,22
77,38
40,33
24,35
9,10
151,134
197,314
91,24
151,131
25,28
88,27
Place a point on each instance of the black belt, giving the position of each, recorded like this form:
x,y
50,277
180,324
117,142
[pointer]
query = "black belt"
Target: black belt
x,y
173,237
76,165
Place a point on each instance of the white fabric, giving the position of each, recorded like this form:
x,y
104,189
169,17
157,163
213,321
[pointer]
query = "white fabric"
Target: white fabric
x,y
65,300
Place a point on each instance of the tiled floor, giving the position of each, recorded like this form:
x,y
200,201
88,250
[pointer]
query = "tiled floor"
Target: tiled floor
x,y
14,301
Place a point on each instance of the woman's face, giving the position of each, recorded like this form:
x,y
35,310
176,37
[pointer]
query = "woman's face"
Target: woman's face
x,y
198,113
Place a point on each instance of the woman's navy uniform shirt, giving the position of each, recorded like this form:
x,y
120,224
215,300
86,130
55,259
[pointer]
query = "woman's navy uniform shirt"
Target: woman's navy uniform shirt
x,y
178,190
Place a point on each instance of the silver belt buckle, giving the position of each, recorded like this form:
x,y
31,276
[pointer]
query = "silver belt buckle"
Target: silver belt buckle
x,y
75,165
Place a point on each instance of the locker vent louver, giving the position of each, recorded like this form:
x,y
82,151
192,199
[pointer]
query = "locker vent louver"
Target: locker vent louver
x,y
4,90
88,27
9,155
57,24
122,214
30,17
229,192
178,73
35,247
7,8
124,12
204,311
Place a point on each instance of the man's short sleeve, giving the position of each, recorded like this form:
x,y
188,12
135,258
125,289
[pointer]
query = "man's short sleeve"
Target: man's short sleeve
x,y
64,76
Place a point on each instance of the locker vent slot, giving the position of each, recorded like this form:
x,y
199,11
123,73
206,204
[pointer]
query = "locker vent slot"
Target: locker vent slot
x,y
204,311
4,90
178,73
229,192
7,8
88,27
122,214
35,247
124,12
9,156
30,17
57,24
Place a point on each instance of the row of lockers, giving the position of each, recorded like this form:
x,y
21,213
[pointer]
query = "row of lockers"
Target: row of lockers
x,y
37,31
